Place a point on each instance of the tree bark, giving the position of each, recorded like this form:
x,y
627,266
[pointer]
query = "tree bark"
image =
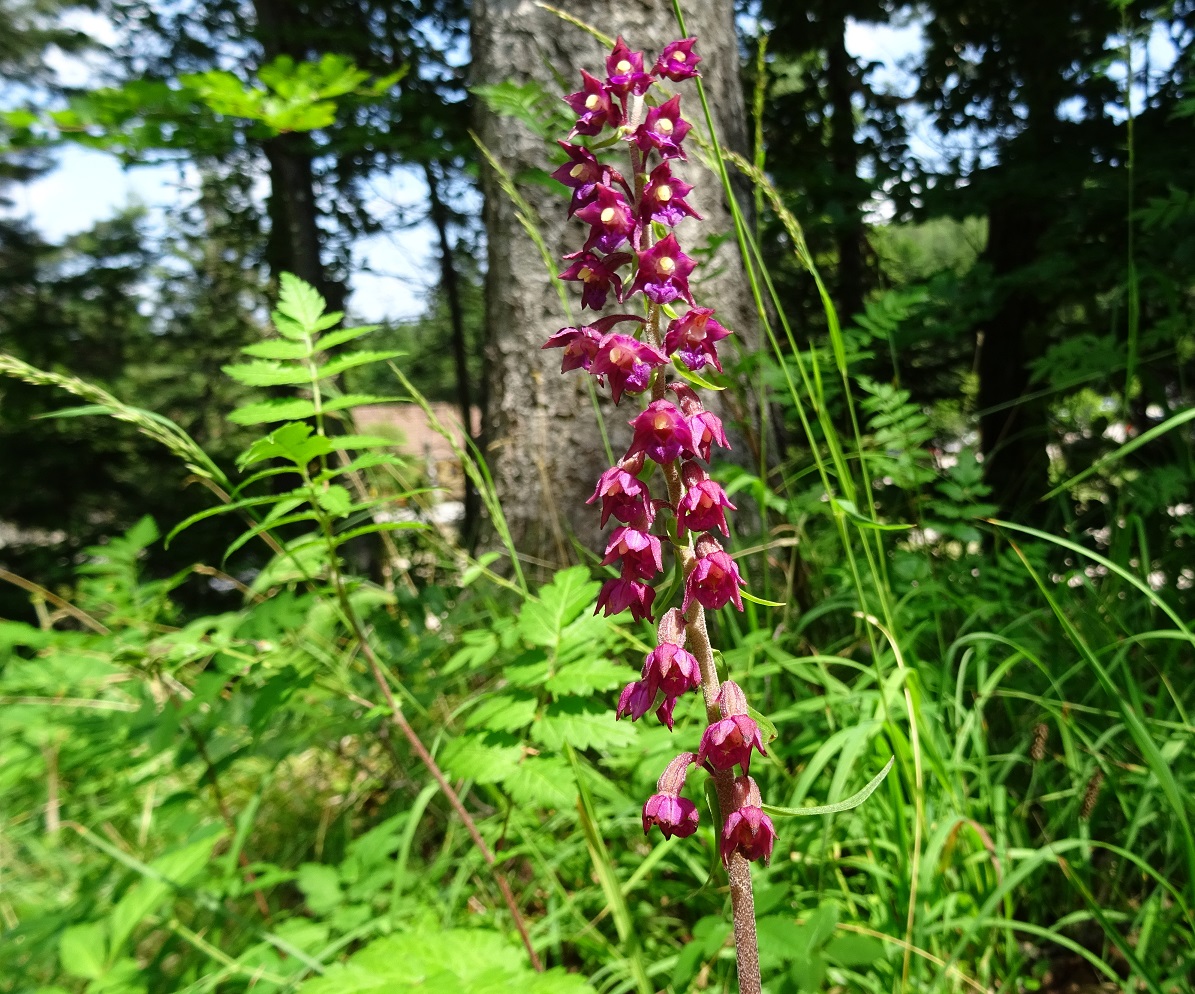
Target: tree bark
x,y
545,449
295,239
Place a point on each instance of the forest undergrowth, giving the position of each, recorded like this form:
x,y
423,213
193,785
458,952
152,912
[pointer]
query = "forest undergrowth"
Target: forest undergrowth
x,y
228,802
389,764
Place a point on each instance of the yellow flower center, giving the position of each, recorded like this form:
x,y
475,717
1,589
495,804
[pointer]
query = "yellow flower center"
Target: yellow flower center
x,y
592,101
666,265
623,66
664,194
577,171
607,215
661,422
664,126
617,354
678,56
586,274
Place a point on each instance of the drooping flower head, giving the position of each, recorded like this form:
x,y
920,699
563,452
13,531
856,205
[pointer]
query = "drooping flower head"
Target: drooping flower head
x,y
705,426
624,70
714,581
593,106
728,743
597,276
626,594
694,337
748,830
626,362
622,493
666,809
664,198
661,432
663,129
580,346
704,505
678,61
638,549
663,273
613,222
583,174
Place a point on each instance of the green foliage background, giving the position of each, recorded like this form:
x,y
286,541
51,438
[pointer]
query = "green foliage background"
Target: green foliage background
x,y
203,786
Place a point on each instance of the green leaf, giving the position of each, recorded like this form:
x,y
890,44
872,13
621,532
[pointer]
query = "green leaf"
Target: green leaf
x,y
829,809
342,335
748,596
583,724
546,781
176,869
848,508
504,712
855,950
83,950
351,360
267,374
299,301
698,381
569,593
273,411
320,885
485,758
588,677
277,348
766,726
336,500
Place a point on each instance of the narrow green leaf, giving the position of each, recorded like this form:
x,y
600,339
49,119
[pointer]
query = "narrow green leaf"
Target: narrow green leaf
x,y
694,378
830,809
748,596
848,508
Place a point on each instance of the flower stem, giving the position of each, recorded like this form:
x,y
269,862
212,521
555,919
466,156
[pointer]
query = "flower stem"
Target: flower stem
x,y
742,898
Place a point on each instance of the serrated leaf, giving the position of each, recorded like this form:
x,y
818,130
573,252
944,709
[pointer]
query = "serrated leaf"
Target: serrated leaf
x,y
504,712
546,781
299,301
569,593
273,411
267,374
588,677
485,758
320,885
583,724
276,348
334,338
351,360
336,500
529,670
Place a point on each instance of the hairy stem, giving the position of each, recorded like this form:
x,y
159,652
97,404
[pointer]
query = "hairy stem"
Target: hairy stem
x,y
742,899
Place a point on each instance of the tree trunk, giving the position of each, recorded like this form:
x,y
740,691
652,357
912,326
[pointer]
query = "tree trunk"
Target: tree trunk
x,y
545,448
1013,430
450,284
295,240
